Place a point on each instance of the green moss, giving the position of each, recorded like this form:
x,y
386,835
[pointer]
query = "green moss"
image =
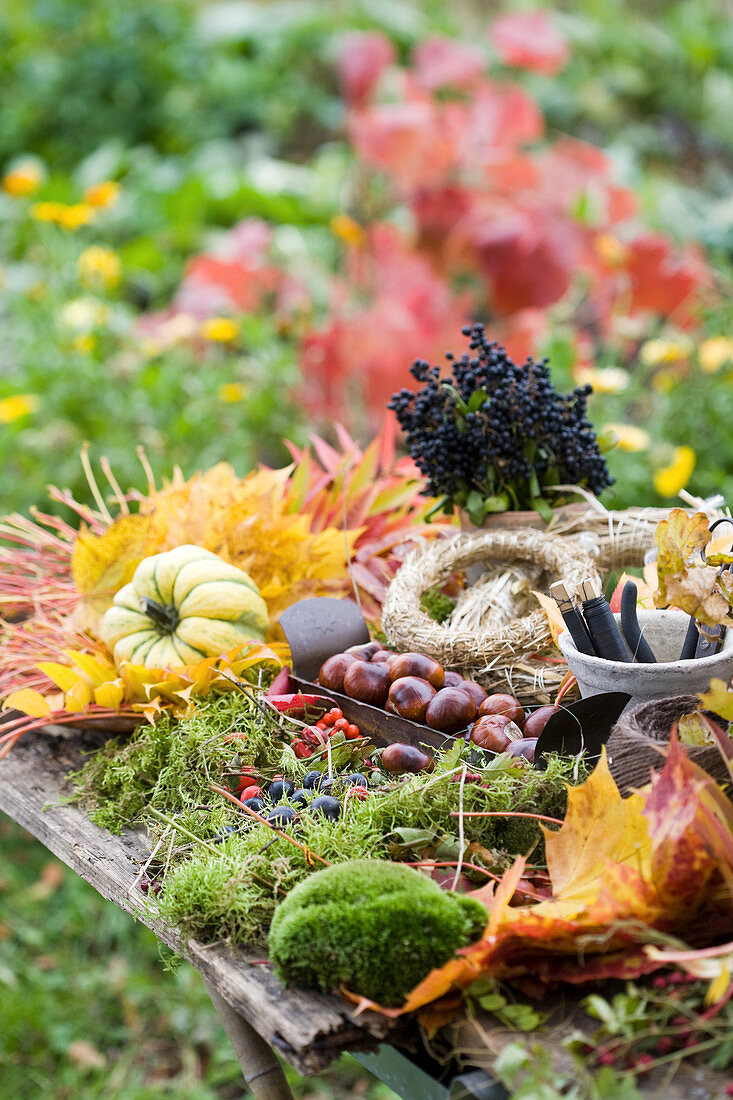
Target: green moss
x,y
436,604
375,927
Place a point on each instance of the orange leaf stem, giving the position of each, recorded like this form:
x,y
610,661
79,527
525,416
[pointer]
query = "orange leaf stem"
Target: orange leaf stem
x,y
506,813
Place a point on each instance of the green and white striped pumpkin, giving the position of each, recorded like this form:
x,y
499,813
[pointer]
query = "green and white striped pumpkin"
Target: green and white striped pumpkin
x,y
181,606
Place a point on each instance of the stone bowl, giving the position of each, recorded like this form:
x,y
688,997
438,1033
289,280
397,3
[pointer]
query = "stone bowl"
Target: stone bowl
x,y
665,631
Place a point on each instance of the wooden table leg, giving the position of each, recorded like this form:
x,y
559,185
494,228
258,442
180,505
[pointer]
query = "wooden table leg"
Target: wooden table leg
x,y
260,1067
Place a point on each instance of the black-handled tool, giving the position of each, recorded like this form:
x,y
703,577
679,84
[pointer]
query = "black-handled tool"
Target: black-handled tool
x,y
607,638
573,618
710,642
640,649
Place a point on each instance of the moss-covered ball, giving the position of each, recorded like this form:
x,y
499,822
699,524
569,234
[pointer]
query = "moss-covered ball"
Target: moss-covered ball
x,y
375,927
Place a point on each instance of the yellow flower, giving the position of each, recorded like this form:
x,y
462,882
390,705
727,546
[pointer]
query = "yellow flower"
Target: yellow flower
x,y
20,404
348,230
24,179
664,381
84,314
603,379
231,392
654,352
670,479
81,213
60,213
102,194
715,353
150,348
47,211
611,250
99,267
219,329
84,342
629,437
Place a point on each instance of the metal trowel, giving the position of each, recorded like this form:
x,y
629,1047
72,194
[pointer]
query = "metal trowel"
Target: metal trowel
x,y
585,724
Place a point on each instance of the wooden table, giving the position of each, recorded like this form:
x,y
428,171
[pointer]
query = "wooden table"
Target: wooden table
x,y
260,1016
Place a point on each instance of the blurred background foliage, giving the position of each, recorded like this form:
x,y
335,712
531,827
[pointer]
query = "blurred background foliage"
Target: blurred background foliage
x,y
224,224
206,116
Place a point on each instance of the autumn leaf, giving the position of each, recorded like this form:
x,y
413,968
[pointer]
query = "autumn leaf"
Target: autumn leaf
x,y
686,579
691,822
617,866
679,538
29,702
102,564
552,611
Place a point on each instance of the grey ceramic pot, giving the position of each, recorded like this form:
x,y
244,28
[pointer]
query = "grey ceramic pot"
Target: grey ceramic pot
x,y
665,632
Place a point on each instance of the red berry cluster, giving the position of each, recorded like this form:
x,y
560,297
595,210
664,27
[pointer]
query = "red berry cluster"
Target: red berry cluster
x,y
314,737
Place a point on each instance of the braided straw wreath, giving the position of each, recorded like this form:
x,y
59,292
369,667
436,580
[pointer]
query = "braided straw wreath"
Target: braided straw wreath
x,y
408,627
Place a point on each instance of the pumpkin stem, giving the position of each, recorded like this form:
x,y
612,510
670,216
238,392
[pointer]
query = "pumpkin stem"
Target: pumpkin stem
x,y
164,617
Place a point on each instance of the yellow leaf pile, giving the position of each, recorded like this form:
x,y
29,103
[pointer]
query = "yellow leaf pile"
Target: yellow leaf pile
x,y
244,520
95,682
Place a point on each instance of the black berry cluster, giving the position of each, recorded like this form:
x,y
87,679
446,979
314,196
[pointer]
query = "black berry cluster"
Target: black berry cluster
x,y
492,436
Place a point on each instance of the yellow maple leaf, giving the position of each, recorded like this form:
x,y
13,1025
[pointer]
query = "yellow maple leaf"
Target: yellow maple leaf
x,y
599,827
102,564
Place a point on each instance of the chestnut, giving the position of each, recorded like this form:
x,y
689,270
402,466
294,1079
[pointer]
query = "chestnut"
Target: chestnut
x,y
410,697
475,690
401,757
494,732
536,721
523,746
365,651
416,664
333,670
501,703
450,710
452,679
382,655
367,682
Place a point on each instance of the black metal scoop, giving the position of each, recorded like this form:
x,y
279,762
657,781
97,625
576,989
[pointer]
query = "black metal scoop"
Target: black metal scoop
x,y
585,724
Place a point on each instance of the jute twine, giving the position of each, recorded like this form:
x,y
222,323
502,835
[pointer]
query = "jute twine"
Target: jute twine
x,y
500,654
633,748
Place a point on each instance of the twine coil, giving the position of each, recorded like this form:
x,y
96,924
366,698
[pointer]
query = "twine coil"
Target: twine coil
x,y
634,744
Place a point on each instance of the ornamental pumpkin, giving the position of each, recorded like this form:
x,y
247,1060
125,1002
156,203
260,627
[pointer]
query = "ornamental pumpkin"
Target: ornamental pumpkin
x,y
181,606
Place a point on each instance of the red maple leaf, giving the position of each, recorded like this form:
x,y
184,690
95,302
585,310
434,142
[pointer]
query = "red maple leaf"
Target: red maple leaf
x,y
529,40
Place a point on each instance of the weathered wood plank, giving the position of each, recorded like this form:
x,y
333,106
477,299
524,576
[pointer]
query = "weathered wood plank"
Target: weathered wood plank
x,y
308,1029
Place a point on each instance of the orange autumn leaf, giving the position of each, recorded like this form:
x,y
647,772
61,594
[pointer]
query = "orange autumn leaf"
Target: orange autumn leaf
x,y
552,611
617,867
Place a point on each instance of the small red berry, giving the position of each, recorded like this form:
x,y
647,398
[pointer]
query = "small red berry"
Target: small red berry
x,y
301,750
729,1089
665,1044
360,793
608,1058
352,731
341,724
250,792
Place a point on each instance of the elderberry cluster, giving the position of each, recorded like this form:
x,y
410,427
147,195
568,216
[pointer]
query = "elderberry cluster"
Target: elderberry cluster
x,y
495,434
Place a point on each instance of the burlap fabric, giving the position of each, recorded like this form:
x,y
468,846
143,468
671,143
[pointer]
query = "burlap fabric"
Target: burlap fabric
x,y
633,748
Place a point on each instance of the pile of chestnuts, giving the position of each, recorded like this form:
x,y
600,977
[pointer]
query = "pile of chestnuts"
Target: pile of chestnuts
x,y
417,687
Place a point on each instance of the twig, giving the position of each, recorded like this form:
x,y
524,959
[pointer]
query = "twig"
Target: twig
x,y
181,829
507,813
460,829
